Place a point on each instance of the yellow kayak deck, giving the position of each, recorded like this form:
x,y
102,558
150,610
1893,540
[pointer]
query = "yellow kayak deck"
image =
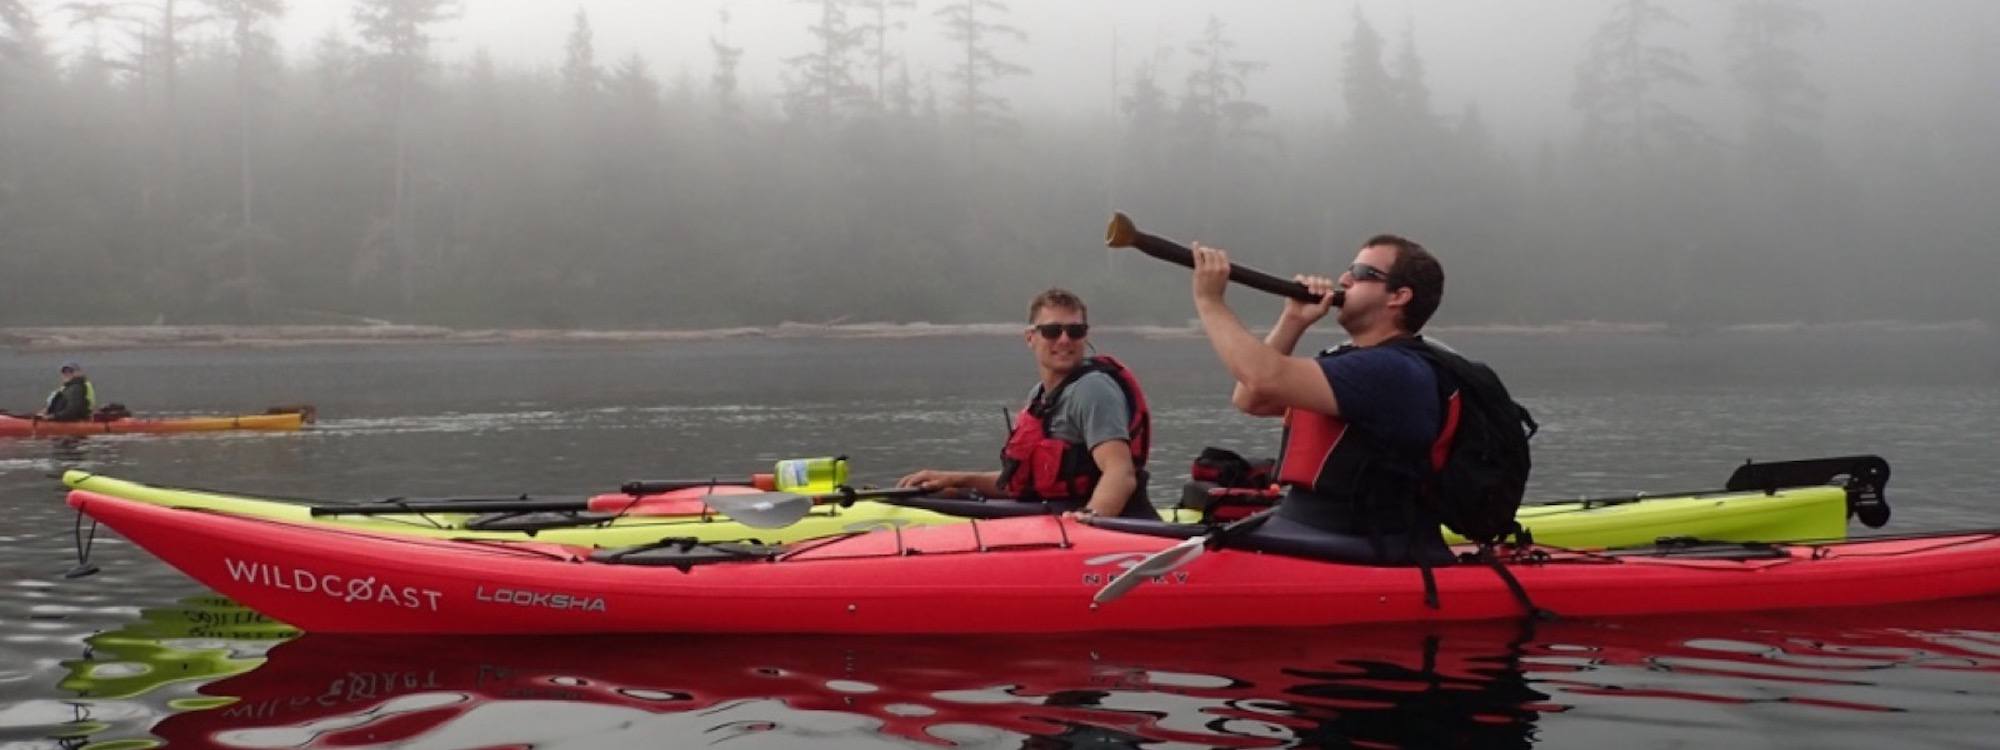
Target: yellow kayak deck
x,y
1798,513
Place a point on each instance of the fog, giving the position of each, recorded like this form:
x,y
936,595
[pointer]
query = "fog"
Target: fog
x,y
628,163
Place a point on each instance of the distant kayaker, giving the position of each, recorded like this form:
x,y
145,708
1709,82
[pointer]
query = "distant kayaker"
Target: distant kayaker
x,y
1359,419
1081,441
74,400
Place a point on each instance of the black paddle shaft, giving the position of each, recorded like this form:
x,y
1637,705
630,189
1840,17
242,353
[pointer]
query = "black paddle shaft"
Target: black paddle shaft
x,y
1169,251
530,505
1122,233
657,486
499,505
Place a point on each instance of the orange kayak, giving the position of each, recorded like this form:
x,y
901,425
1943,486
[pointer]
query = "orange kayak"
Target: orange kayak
x,y
11,426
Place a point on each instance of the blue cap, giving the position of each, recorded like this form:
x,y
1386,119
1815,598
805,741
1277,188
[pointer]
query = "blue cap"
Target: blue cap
x,y
71,367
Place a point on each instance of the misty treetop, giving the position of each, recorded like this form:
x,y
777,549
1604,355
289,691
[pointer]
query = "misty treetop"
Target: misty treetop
x,y
170,161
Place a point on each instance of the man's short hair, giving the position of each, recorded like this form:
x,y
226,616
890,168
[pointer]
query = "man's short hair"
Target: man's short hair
x,y
69,367
1417,269
1057,297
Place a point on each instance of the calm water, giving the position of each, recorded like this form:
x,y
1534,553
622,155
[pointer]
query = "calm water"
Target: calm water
x,y
139,655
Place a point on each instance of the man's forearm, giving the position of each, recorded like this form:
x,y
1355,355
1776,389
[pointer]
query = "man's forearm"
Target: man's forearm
x,y
1250,361
1285,334
1283,338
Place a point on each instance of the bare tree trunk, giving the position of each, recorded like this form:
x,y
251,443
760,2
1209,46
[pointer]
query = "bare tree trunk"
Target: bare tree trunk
x,y
826,61
246,180
399,194
881,57
972,86
169,82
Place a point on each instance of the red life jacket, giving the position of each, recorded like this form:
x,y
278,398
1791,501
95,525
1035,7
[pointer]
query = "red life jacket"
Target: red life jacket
x,y
1036,466
1362,480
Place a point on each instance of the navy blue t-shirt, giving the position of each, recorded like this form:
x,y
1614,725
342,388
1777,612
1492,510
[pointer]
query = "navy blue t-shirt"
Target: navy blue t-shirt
x,y
1386,391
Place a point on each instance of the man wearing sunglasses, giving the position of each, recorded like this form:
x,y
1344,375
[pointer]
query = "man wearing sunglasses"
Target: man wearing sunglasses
x,y
1081,442
1360,420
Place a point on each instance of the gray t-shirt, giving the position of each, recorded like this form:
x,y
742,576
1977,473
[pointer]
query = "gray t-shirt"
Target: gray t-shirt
x,y
1091,411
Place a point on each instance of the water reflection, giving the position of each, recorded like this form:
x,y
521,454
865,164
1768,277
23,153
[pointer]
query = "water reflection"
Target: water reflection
x,y
1484,685
197,641
69,451
1223,689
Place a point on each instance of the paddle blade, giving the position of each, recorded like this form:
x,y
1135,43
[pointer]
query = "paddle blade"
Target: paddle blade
x,y
1162,562
763,510
1121,232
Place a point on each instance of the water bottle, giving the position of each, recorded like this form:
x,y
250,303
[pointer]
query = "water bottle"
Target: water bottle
x,y
811,474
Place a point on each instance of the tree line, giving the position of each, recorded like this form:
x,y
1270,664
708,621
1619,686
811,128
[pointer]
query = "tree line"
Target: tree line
x,y
180,167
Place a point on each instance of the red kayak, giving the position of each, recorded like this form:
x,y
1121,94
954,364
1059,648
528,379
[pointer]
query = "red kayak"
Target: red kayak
x,y
1023,575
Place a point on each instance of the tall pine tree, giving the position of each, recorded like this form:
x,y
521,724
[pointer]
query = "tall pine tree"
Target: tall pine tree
x,y
399,35
1783,104
1624,85
823,87
976,29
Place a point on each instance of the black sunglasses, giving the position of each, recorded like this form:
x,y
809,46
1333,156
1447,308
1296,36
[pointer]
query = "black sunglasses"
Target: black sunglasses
x,y
1053,331
1365,272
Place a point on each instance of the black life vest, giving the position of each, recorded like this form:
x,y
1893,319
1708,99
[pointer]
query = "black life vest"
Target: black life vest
x,y
1348,481
1037,466
1470,477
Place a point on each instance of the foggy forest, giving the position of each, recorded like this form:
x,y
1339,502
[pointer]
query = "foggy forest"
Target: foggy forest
x,y
1698,164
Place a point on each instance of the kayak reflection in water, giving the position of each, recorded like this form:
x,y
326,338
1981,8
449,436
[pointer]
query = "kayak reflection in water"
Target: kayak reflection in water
x,y
197,639
1453,687
1914,670
1081,442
